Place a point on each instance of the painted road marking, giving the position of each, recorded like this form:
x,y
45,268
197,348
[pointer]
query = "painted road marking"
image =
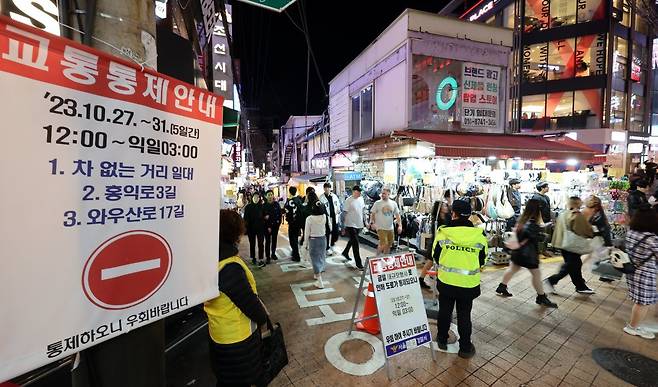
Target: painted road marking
x,y
333,355
131,268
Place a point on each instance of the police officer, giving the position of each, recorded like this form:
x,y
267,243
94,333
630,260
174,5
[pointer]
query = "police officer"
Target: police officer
x,y
460,250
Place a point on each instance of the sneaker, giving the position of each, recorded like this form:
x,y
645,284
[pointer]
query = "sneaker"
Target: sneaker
x,y
423,285
318,284
603,279
274,257
502,291
254,262
550,288
330,252
261,264
443,347
544,301
295,259
347,257
359,267
586,291
467,354
639,331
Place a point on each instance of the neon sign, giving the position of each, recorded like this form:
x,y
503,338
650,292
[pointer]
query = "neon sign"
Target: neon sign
x,y
448,81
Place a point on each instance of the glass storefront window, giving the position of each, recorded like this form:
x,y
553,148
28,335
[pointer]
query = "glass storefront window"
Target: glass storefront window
x,y
560,59
559,107
641,24
620,58
563,12
639,64
535,58
624,8
537,13
590,55
533,109
587,109
589,10
508,16
618,110
637,113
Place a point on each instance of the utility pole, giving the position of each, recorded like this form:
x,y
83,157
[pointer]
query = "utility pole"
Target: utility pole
x,y
136,358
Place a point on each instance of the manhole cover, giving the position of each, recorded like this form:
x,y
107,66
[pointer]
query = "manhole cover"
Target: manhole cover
x,y
630,367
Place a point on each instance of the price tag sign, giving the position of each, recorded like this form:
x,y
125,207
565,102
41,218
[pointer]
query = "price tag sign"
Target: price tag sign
x,y
400,303
110,199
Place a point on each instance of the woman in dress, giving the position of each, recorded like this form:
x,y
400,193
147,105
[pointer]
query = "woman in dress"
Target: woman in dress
x,y
528,231
642,248
315,241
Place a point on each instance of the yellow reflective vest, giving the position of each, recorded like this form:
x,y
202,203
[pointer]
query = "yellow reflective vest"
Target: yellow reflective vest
x,y
226,322
459,263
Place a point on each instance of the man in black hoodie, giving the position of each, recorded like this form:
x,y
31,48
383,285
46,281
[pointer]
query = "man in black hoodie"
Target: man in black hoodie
x,y
293,212
637,196
255,222
545,209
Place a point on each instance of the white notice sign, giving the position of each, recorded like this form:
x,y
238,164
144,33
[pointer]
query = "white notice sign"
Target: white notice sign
x,y
400,303
110,197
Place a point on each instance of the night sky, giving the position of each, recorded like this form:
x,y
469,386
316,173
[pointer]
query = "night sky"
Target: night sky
x,y
272,51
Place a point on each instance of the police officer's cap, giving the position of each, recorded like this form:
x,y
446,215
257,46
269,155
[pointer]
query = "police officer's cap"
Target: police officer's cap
x,y
462,207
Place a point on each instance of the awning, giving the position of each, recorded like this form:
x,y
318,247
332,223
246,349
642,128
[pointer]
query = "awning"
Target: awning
x,y
596,159
503,146
323,155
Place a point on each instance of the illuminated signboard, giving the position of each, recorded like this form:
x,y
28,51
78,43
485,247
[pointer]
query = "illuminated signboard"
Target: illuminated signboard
x,y
42,14
445,105
479,9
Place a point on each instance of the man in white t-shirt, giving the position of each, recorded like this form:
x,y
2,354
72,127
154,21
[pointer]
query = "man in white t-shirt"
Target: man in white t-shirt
x,y
382,215
353,220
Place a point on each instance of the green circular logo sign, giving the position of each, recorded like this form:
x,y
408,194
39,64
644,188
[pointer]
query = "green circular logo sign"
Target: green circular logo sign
x,y
448,81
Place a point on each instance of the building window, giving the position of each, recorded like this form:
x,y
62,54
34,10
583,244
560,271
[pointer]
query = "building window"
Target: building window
x,y
537,13
623,12
641,24
639,64
563,12
533,108
637,113
535,58
559,107
590,55
620,58
362,115
587,109
589,10
618,110
560,59
508,16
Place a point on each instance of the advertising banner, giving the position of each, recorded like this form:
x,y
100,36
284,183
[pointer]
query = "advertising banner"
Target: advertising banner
x,y
400,304
480,96
110,197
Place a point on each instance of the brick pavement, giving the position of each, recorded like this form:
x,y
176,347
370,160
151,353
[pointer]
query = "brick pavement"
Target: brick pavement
x,y
518,343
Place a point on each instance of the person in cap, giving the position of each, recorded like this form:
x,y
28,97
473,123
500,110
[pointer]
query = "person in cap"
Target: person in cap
x,y
460,250
514,198
637,196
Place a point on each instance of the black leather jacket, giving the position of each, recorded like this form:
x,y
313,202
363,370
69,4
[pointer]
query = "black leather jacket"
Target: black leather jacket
x,y
544,206
604,229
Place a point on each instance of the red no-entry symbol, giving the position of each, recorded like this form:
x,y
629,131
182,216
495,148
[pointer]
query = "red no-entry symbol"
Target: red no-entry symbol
x,y
126,269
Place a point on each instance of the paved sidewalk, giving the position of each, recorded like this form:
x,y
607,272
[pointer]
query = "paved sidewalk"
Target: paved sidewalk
x,y
518,343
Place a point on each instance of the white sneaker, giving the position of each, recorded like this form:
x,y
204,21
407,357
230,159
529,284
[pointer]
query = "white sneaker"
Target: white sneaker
x,y
639,331
318,284
330,251
549,287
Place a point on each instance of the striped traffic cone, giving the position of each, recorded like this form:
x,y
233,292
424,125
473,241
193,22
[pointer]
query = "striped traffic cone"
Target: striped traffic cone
x,y
371,325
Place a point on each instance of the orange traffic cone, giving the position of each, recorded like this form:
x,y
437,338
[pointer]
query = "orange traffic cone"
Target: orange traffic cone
x,y
369,309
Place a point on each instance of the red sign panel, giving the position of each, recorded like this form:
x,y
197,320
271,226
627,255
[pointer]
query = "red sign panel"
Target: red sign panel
x,y
126,269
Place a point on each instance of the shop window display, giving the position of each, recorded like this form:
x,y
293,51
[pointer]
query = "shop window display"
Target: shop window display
x,y
535,58
533,111
587,109
641,24
563,12
560,59
620,58
590,10
590,55
623,10
618,110
637,113
639,64
563,110
559,107
537,14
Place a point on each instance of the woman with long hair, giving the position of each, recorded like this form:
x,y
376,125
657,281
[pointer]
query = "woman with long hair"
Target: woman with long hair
x,y
642,248
528,233
315,240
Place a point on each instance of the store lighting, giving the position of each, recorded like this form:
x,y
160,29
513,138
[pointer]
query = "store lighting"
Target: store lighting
x,y
492,158
618,136
550,161
363,149
572,135
572,162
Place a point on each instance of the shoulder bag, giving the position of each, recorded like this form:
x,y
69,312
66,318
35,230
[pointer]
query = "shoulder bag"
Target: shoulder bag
x,y
275,355
575,243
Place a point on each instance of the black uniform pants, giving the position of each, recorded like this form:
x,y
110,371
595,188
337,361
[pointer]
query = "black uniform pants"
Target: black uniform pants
x,y
293,236
270,242
332,236
447,303
572,267
353,233
253,236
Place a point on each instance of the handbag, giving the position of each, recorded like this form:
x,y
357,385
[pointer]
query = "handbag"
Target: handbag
x,y
275,355
621,261
504,208
575,243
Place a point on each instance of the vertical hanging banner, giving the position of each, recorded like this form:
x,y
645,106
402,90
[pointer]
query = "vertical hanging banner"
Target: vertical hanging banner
x,y
222,71
110,196
400,304
480,96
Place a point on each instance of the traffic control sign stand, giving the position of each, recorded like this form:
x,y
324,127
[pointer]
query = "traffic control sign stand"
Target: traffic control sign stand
x,y
354,320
